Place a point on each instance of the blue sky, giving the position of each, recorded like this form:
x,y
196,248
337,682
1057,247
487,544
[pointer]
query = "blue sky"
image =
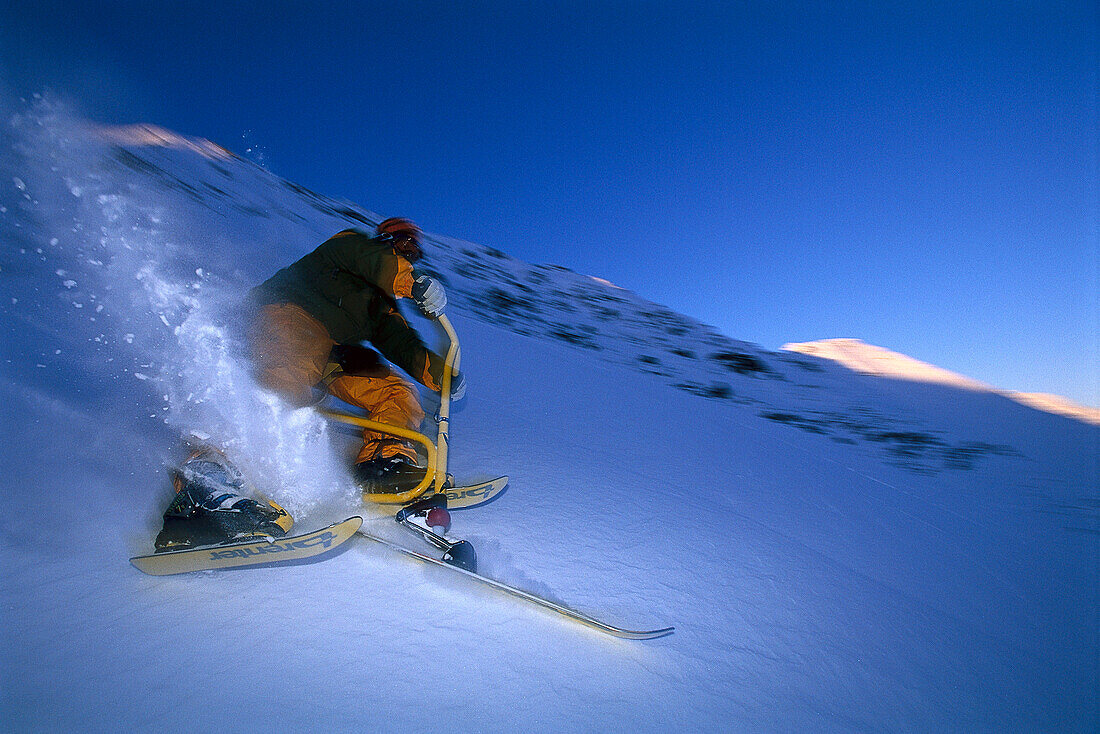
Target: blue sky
x,y
923,176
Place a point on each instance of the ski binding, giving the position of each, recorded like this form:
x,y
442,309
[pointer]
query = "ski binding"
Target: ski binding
x,y
429,519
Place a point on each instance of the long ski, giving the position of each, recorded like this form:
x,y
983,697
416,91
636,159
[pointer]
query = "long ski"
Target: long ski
x,y
249,553
513,591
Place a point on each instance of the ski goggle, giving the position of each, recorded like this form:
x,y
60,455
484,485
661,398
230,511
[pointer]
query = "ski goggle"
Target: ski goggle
x,y
404,244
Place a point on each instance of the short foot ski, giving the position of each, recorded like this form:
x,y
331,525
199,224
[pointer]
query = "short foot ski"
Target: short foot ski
x,y
472,495
513,591
249,553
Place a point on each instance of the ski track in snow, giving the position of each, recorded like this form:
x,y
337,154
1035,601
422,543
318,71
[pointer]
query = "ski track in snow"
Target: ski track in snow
x,y
837,551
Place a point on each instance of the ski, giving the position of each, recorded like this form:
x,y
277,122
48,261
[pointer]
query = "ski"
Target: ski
x,y
249,553
520,593
459,498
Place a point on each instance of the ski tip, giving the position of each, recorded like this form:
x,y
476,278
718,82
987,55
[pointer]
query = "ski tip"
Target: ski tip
x,y
649,634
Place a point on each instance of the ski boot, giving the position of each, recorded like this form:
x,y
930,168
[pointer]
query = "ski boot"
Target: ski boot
x,y
388,475
209,509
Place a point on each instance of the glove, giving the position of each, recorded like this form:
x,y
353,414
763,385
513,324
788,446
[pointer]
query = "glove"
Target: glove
x,y
429,296
458,386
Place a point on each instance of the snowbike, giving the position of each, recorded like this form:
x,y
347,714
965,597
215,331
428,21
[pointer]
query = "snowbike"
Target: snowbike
x,y
424,513
437,453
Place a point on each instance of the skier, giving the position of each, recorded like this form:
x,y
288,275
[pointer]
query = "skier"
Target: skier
x,y
312,319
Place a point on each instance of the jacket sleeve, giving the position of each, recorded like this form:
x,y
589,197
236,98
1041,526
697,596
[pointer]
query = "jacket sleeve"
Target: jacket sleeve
x,y
378,265
399,343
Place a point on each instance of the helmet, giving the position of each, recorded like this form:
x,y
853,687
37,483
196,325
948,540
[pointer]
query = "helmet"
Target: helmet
x,y
393,225
404,234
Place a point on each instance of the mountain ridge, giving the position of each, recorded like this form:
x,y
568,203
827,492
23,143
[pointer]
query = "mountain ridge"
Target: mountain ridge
x,y
511,297
869,359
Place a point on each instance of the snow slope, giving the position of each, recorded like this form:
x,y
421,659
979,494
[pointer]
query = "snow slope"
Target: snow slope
x,y
838,551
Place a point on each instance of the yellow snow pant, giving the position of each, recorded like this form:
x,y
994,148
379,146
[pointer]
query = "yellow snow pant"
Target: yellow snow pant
x,y
290,350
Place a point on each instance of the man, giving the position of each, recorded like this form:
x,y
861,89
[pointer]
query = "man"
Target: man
x,y
314,316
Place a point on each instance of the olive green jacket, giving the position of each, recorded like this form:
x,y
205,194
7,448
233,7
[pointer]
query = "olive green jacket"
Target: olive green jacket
x,y
350,284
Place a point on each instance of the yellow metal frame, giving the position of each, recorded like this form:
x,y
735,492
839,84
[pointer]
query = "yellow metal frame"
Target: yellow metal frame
x,y
437,452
